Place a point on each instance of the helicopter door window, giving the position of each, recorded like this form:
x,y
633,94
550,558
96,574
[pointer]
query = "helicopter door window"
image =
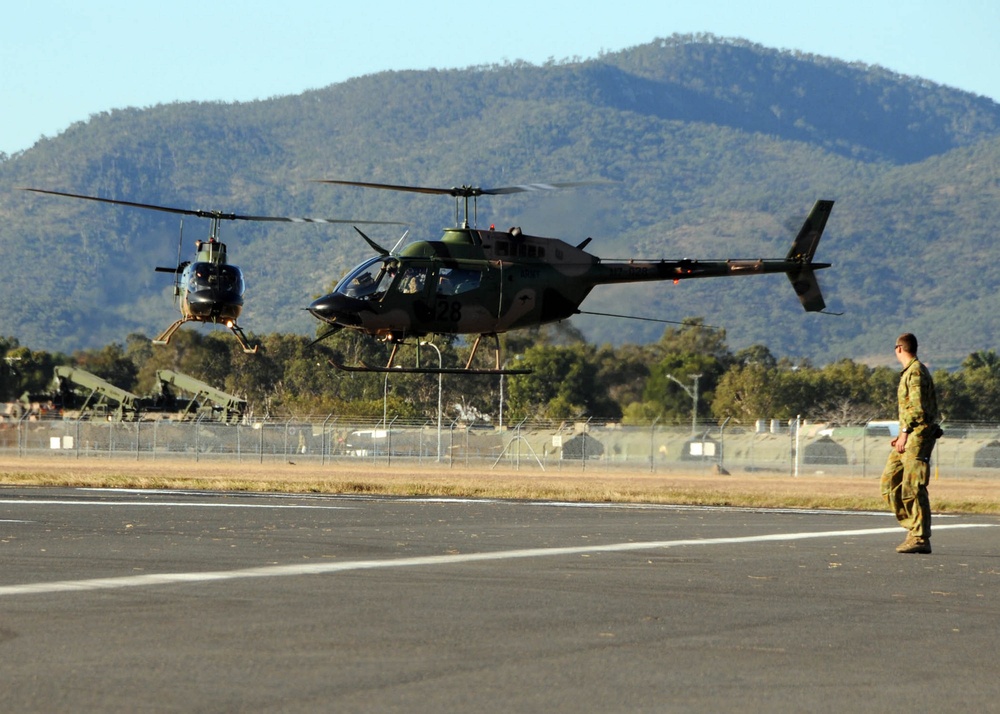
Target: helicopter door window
x,y
455,281
412,281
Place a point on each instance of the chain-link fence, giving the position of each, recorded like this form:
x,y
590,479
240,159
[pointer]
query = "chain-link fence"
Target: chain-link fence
x,y
780,448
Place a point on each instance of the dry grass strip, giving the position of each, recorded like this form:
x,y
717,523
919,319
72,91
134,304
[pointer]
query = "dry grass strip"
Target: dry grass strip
x,y
953,495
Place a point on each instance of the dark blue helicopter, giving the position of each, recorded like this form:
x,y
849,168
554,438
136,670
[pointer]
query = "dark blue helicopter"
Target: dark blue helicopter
x,y
208,289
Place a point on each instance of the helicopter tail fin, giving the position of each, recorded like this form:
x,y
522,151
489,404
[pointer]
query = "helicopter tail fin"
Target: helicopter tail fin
x,y
806,287
803,249
804,246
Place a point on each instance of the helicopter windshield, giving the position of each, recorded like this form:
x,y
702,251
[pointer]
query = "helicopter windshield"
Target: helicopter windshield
x,y
211,276
370,279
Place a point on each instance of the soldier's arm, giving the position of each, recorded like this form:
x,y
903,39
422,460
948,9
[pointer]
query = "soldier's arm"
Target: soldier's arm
x,y
914,413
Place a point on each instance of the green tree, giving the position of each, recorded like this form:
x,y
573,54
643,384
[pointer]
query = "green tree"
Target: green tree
x,y
9,379
624,371
208,357
695,338
751,391
686,358
33,370
755,354
562,385
972,393
672,383
110,363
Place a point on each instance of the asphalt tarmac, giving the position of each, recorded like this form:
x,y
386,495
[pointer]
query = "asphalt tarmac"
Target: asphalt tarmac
x,y
205,602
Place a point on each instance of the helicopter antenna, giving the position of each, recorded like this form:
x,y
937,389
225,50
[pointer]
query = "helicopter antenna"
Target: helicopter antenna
x,y
400,241
177,275
180,240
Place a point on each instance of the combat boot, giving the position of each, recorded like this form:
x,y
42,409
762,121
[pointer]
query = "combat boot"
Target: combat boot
x,y
914,544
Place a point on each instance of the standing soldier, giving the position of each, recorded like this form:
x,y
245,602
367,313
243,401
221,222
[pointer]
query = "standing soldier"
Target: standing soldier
x,y
904,480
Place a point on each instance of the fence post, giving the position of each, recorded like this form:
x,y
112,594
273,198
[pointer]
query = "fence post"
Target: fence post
x,y
652,443
323,440
388,441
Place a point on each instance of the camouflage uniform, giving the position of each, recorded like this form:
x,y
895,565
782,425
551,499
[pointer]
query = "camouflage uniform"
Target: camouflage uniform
x,y
904,480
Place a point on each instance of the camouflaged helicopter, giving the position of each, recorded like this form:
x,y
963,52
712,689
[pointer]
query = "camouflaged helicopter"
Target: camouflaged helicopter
x,y
208,289
487,282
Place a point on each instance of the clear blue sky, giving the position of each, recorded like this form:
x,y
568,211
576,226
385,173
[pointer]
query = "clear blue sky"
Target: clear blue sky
x,y
62,61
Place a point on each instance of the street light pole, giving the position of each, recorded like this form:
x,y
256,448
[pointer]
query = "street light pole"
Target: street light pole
x,y
694,399
501,401
502,368
385,400
440,373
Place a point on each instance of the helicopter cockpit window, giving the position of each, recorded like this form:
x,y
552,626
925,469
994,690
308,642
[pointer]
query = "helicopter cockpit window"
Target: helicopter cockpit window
x,y
370,279
412,281
211,276
455,281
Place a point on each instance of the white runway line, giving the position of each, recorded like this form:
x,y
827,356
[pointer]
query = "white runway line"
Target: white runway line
x,y
158,504
277,571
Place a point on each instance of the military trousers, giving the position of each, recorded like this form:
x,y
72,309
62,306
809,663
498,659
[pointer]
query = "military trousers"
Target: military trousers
x,y
904,484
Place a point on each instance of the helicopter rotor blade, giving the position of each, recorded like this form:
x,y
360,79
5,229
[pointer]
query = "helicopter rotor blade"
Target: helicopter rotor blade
x,y
378,249
393,187
217,215
284,219
468,191
133,204
530,187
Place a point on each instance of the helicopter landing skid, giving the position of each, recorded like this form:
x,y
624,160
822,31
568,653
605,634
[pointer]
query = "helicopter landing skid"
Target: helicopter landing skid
x,y
500,369
241,338
425,370
164,337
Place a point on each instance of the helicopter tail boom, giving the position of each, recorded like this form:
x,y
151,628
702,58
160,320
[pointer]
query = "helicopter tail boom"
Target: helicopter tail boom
x,y
798,265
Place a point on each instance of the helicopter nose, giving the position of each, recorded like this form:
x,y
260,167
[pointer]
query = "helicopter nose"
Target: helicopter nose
x,y
335,309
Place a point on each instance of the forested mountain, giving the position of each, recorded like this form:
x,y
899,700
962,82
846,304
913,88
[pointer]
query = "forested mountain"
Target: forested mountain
x,y
716,148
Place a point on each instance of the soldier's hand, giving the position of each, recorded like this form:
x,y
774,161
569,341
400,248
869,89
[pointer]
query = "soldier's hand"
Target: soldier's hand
x,y
900,442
